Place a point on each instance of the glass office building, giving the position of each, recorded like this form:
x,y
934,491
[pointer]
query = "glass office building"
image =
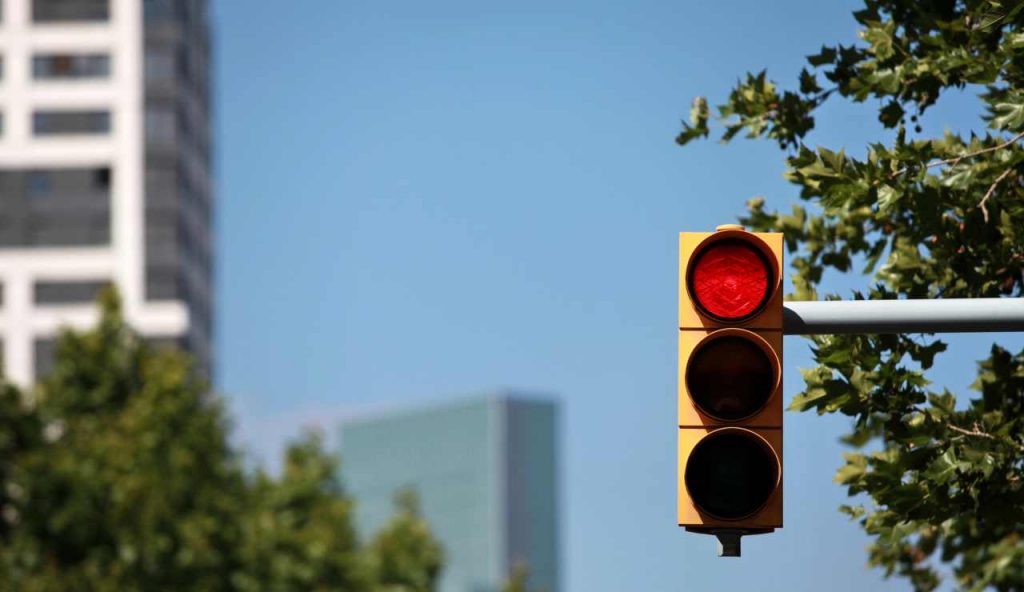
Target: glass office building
x,y
486,471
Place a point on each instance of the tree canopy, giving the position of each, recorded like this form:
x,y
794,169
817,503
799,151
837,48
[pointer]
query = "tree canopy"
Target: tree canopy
x,y
116,474
925,217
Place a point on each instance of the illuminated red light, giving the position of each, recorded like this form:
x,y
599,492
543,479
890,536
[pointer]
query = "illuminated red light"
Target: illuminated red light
x,y
731,280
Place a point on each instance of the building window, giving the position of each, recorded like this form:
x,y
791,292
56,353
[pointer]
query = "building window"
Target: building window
x,y
167,343
74,66
159,65
68,292
37,184
161,126
55,207
159,10
62,11
51,123
45,357
101,178
163,282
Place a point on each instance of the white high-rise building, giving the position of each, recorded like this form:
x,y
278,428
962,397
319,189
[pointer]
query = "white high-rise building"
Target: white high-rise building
x,y
104,172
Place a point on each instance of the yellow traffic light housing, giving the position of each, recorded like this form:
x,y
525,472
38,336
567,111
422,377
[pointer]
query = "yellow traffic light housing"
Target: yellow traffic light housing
x,y
730,381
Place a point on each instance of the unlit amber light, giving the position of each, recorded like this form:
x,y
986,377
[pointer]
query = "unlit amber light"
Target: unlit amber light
x,y
730,378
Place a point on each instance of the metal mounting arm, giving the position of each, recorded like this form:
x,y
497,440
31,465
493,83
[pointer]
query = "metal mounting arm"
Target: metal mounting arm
x,y
950,315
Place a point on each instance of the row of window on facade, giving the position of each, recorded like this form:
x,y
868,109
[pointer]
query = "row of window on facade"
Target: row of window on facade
x,y
68,122
161,65
74,203
161,284
98,11
188,12
167,126
66,183
68,11
55,207
67,66
51,293
163,127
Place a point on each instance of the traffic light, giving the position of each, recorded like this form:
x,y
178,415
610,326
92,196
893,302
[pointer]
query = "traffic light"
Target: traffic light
x,y
730,383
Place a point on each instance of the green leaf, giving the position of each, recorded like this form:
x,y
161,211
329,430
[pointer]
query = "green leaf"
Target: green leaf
x,y
854,512
942,470
1008,116
854,470
879,37
827,55
888,198
808,83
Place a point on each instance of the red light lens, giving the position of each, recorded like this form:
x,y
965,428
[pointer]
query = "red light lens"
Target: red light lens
x,y
731,280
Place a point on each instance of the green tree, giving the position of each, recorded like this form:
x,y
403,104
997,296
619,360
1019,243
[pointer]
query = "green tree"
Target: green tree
x,y
117,475
518,579
406,556
298,531
131,484
927,217
20,431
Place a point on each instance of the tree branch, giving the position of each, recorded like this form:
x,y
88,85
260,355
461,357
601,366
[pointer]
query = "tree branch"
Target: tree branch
x,y
955,160
991,190
977,433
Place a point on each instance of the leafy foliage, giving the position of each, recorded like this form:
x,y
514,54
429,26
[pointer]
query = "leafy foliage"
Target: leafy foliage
x,y
928,218
518,579
117,475
298,530
406,557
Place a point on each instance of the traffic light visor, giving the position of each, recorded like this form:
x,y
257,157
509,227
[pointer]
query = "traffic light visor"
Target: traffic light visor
x,y
731,473
731,280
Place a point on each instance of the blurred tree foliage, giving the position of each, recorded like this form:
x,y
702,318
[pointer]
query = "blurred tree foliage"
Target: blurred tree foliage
x,y
116,475
405,556
928,217
518,579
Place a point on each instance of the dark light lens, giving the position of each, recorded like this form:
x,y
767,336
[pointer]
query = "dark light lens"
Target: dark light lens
x,y
730,378
731,280
731,475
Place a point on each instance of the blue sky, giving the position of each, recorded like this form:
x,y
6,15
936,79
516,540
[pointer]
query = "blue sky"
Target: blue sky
x,y
424,200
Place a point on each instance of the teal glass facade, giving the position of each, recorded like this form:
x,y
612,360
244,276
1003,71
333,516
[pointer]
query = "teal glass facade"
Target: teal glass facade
x,y
486,471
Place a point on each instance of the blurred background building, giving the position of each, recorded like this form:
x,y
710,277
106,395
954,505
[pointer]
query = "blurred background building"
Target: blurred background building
x,y
104,172
486,471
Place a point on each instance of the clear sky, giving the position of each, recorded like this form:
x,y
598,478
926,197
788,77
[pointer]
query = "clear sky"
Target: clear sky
x,y
425,200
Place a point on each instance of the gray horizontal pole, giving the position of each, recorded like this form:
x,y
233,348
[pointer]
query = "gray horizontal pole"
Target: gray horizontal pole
x,y
949,315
